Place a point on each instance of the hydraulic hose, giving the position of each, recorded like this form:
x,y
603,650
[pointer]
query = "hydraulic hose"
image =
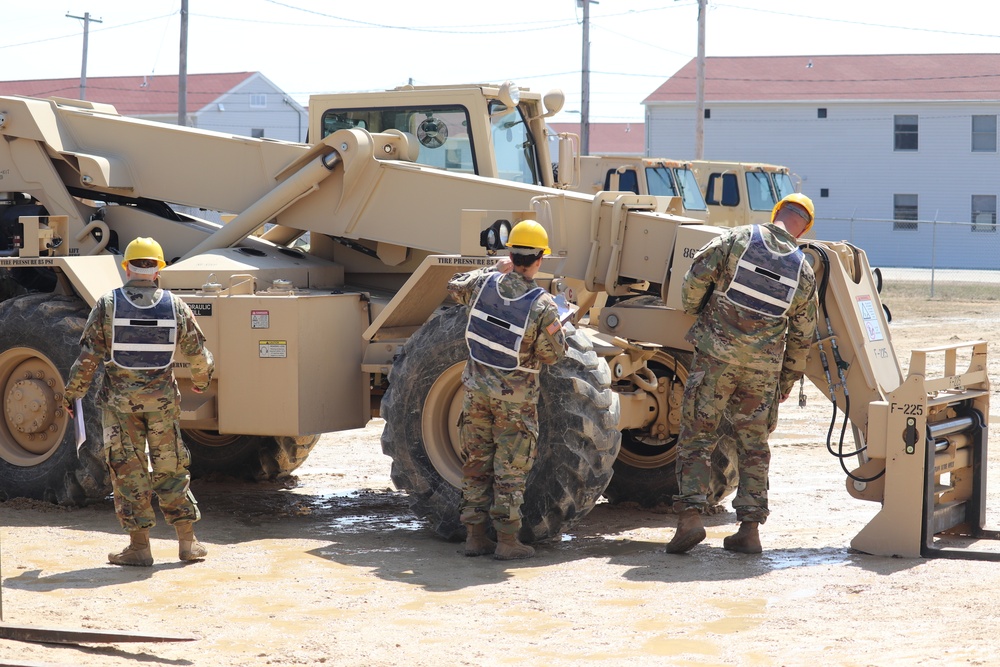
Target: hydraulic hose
x,y
839,453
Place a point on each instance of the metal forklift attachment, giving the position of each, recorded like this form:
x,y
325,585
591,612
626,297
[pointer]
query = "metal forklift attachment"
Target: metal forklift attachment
x,y
933,437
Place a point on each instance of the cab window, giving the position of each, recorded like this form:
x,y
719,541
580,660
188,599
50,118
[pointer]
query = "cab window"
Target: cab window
x,y
517,157
725,185
759,191
783,185
628,181
441,132
688,184
661,182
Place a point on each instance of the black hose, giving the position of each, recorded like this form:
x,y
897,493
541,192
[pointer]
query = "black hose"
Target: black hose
x,y
840,454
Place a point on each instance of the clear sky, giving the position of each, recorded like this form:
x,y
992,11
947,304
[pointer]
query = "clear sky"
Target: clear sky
x,y
313,46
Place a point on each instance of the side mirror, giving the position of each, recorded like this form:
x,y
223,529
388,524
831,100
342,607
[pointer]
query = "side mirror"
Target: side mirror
x,y
553,101
568,169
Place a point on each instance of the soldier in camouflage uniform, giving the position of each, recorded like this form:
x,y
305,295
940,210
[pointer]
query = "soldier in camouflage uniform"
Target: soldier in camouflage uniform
x,y
134,331
513,330
755,298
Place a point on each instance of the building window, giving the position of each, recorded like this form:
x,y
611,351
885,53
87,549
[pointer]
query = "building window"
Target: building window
x,y
824,192
904,207
257,133
821,113
905,133
984,213
258,100
984,134
708,113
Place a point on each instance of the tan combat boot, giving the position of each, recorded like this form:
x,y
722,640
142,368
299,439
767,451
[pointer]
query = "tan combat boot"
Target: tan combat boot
x,y
511,548
136,553
745,541
690,532
189,547
476,541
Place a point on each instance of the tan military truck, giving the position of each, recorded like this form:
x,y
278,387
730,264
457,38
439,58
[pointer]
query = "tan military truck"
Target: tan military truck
x,y
673,180
322,336
741,193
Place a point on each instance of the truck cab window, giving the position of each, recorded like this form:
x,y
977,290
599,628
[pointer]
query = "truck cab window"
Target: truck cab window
x,y
661,182
628,181
441,131
759,191
725,184
517,158
782,185
688,185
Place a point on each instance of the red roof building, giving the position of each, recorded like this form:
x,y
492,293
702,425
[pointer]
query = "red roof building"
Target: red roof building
x,y
884,77
611,138
245,103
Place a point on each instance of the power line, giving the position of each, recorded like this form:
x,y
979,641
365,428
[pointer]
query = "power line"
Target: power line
x,y
862,23
486,28
637,41
110,27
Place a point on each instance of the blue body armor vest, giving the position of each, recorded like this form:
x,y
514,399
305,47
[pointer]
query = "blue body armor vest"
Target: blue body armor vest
x,y
143,338
496,326
765,281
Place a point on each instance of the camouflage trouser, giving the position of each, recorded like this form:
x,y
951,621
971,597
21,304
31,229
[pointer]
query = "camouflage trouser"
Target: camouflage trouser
x,y
125,438
748,399
498,449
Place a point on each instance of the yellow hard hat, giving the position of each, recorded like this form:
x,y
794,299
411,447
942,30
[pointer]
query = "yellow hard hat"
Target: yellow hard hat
x,y
144,247
801,200
529,234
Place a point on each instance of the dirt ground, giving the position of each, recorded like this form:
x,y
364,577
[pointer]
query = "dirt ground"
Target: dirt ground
x,y
335,571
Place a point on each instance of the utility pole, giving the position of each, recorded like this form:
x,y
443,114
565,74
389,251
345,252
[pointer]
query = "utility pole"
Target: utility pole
x,y
585,84
182,69
699,111
86,38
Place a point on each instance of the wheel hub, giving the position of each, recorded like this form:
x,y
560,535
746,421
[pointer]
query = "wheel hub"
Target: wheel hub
x,y
653,447
32,405
439,424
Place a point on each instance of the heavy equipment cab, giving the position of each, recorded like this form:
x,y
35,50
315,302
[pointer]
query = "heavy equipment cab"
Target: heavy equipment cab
x,y
495,131
741,193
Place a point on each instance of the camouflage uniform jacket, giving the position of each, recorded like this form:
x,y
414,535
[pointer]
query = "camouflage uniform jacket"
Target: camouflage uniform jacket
x,y
544,341
129,390
737,335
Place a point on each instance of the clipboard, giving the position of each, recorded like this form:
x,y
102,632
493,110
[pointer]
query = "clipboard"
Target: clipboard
x,y
566,310
81,431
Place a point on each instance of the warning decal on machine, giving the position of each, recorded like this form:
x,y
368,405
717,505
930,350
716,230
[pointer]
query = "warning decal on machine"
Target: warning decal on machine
x,y
260,319
273,349
201,309
869,317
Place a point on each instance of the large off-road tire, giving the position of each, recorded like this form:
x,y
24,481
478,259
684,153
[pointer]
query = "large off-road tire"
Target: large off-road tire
x,y
645,471
39,341
578,440
256,457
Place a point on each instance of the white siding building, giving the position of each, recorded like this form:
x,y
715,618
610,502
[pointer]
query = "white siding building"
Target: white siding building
x,y
884,145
